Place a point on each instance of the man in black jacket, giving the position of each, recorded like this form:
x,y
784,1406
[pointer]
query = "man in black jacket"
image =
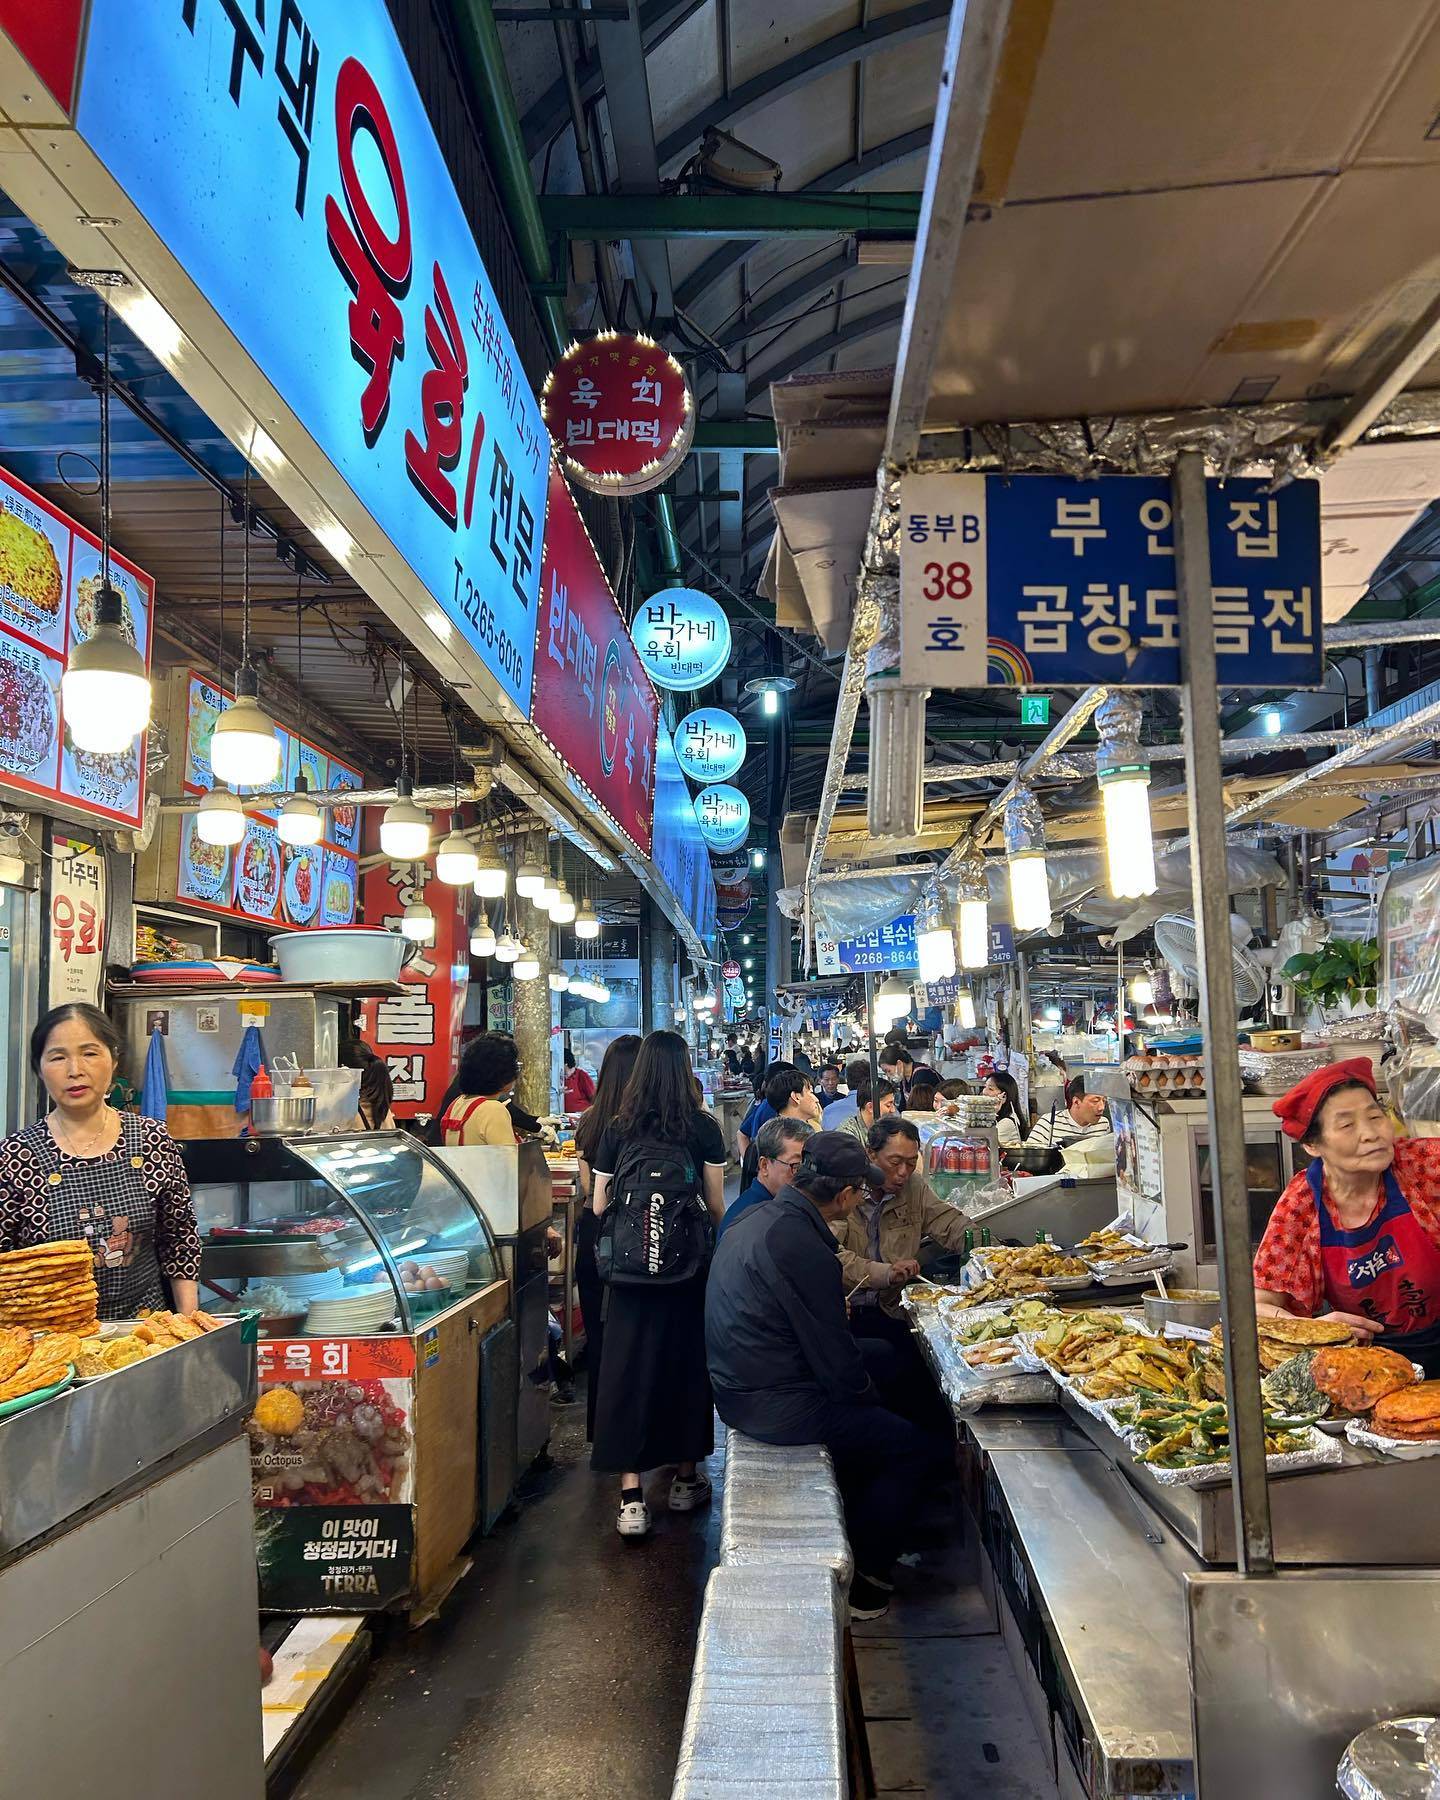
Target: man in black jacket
x,y
786,1369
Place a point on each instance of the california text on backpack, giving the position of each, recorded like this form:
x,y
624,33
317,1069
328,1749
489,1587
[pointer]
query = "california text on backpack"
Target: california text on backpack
x,y
655,1230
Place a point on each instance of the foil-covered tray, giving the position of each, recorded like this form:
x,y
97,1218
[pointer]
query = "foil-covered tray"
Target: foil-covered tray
x,y
966,1387
1319,1452
1402,1449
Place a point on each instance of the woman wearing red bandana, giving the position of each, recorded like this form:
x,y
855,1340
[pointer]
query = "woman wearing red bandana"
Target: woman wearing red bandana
x,y
1358,1233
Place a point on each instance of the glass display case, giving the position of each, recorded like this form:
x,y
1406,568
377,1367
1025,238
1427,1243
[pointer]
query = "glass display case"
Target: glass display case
x,y
387,1360
335,1236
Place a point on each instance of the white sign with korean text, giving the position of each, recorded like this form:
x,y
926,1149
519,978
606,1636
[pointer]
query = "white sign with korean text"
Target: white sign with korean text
x,y
944,610
76,923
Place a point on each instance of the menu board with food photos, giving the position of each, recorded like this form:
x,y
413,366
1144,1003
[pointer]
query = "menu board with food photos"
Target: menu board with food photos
x,y
49,586
260,879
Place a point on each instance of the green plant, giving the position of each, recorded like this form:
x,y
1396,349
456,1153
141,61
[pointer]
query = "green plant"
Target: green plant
x,y
1343,969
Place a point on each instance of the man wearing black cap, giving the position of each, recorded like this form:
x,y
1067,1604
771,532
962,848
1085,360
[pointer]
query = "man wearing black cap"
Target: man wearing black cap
x,y
786,1369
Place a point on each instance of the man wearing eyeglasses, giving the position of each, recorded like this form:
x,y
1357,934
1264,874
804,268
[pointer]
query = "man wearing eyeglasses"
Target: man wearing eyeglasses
x,y
778,1145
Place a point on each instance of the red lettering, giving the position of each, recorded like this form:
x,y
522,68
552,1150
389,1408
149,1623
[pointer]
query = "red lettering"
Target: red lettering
x,y
442,403
376,266
358,107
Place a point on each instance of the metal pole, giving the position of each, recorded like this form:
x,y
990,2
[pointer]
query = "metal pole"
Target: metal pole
x,y
1120,999
870,1029
1224,1108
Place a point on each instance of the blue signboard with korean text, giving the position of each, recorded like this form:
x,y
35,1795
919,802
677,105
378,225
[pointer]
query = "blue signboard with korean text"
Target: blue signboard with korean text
x,y
1002,942
678,849
283,156
884,947
1033,580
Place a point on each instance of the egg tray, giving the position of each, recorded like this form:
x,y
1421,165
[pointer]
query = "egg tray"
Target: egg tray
x,y
1182,1079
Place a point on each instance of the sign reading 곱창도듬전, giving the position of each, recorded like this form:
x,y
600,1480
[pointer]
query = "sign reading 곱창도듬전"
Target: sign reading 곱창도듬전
x,y
282,156
1033,580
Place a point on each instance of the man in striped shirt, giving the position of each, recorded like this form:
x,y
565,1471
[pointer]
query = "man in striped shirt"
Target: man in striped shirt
x,y
1082,1116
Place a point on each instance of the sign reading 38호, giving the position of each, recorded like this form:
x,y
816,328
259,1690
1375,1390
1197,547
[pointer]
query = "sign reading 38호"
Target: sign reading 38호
x,y
1030,580
283,155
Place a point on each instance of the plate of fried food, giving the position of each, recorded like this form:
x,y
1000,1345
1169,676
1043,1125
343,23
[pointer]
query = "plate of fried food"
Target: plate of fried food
x,y
34,1366
1105,1357
122,1342
1009,1270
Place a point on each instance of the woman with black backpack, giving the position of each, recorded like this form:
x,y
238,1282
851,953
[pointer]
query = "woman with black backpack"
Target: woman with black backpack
x,y
659,1172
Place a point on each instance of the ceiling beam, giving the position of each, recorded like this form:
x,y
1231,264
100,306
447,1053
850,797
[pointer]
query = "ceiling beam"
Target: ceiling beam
x,y
548,116
632,138
843,178
851,332
756,437
651,215
838,52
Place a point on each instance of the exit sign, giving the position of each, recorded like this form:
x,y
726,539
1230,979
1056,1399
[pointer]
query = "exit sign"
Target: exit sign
x,y
1034,709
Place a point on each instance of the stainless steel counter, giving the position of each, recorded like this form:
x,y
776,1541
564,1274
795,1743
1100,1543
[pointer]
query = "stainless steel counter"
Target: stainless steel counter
x,y
100,1440
1097,1588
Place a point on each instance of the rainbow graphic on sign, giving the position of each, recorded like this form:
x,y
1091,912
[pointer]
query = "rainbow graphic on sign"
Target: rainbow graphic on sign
x,y
1008,665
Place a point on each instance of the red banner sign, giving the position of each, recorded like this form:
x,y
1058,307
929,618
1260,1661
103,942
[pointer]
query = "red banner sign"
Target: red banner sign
x,y
418,1031
620,411
592,701
335,1359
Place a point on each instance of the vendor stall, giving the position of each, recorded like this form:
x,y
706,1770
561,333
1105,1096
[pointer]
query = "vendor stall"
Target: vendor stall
x,y
127,1575
382,1299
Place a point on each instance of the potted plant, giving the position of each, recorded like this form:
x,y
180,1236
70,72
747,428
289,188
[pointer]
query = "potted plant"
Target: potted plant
x,y
1338,978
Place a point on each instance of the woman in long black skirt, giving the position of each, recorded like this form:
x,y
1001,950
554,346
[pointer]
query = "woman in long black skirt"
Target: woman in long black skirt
x,y
654,1405
609,1090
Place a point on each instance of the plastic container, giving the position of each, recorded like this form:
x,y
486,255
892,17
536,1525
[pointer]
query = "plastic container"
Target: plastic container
x,y
337,1098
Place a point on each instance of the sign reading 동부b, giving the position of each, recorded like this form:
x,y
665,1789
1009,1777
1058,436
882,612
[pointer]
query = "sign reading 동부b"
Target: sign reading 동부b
x,y
283,158
1034,579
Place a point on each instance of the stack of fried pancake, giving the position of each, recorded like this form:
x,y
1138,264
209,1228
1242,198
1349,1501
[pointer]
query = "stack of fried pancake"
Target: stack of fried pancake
x,y
1410,1412
29,1363
50,1287
1281,1335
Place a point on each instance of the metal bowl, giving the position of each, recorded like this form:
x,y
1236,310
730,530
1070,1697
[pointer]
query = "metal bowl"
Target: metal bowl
x,y
1186,1306
281,1116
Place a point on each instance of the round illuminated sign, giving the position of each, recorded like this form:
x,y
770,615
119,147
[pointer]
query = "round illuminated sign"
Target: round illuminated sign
x,y
683,639
731,918
724,815
710,744
732,893
730,970
730,868
620,411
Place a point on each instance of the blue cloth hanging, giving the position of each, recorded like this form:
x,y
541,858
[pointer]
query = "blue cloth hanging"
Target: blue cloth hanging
x,y
248,1059
155,1090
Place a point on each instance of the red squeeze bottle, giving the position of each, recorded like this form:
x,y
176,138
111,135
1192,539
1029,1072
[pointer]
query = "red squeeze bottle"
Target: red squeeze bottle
x,y
261,1087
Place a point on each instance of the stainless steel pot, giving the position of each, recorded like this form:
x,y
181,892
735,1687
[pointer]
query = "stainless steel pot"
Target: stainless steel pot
x,y
1185,1306
282,1115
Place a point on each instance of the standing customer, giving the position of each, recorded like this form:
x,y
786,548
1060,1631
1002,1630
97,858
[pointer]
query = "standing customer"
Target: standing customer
x,y
615,1072
474,1110
579,1087
654,1406
377,1086
86,1171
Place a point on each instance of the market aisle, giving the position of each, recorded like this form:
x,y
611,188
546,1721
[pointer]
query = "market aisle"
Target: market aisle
x,y
560,1668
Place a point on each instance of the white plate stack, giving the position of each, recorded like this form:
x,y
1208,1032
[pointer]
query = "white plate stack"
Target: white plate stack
x,y
350,1314
452,1266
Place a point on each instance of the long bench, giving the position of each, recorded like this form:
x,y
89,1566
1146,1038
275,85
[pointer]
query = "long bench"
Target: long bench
x,y
767,1713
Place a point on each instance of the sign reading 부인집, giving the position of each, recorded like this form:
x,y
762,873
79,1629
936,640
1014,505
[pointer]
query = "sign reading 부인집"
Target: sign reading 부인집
x,y
283,157
889,946
1029,580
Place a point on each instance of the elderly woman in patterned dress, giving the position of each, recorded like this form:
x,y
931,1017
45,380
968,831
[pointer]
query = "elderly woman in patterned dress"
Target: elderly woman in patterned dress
x,y
87,1171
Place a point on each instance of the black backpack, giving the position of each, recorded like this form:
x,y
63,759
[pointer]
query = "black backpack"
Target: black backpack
x,y
656,1229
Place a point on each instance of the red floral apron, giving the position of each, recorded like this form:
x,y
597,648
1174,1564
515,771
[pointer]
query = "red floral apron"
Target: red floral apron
x,y
1387,1270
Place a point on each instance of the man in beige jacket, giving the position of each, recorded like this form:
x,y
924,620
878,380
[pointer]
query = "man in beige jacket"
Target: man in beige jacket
x,y
879,1252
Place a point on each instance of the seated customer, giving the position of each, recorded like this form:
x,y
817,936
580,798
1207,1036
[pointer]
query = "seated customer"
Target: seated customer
x,y
868,1102
880,1247
786,1370
837,1111
923,1089
789,1095
778,1147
